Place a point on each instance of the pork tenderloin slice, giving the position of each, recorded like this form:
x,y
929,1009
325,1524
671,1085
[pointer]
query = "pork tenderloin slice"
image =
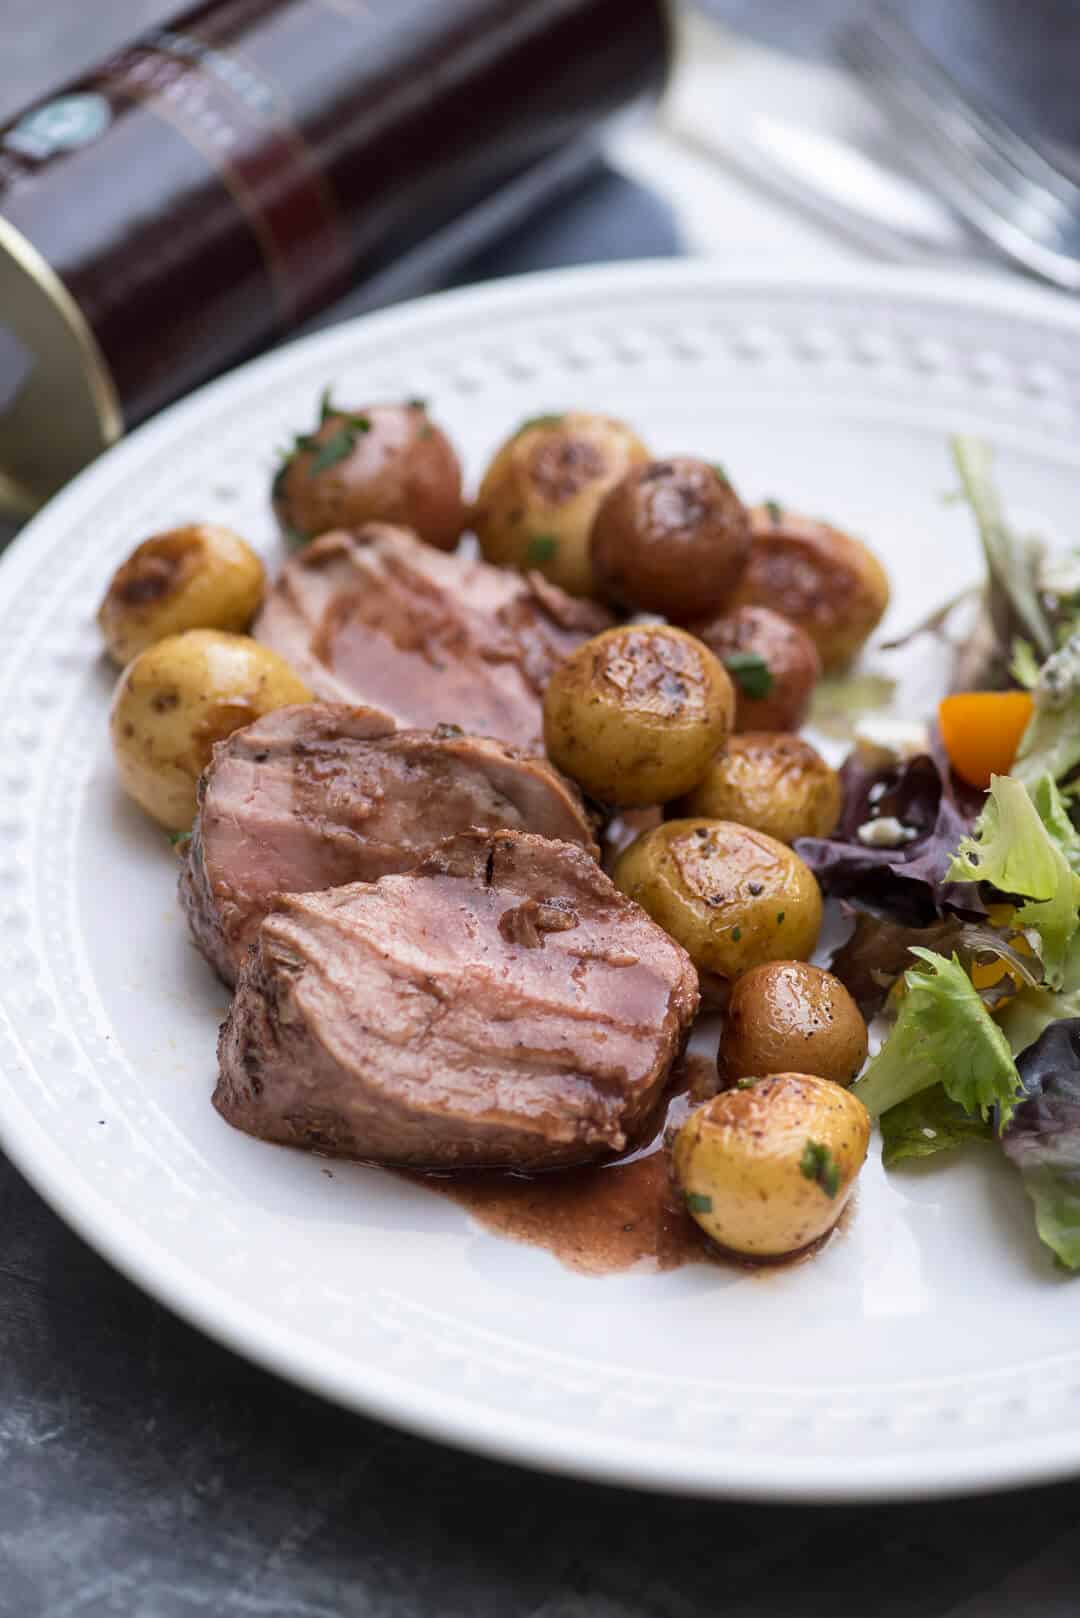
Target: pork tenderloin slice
x,y
501,1005
315,796
376,616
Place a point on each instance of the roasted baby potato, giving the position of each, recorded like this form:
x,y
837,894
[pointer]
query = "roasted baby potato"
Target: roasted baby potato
x,y
821,579
773,663
382,463
767,1169
773,781
198,577
636,714
787,1016
178,698
731,896
671,537
536,503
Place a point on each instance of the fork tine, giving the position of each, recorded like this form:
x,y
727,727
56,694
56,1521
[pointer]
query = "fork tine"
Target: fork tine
x,y
883,36
995,209
911,100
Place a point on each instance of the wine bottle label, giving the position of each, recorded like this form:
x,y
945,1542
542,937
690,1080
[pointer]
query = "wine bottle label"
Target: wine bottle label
x,y
238,120
240,123
211,185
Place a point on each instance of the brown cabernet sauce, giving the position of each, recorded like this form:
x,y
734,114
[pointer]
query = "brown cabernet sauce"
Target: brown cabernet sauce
x,y
606,1217
597,1219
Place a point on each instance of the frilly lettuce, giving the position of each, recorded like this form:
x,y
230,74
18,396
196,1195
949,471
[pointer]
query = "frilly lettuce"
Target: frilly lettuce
x,y
1043,1138
1051,743
943,1035
928,1123
906,883
1011,561
1023,844
1023,1018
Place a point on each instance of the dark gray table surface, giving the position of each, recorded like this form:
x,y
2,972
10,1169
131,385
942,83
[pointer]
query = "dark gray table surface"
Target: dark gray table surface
x,y
147,1473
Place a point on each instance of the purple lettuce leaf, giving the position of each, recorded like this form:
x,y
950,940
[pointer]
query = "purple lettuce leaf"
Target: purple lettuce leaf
x,y
879,950
906,883
1043,1136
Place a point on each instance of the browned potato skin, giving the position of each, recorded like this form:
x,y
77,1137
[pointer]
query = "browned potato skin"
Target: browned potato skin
x,y
731,896
402,470
740,1163
773,781
789,654
538,498
636,713
200,576
825,581
671,537
791,1017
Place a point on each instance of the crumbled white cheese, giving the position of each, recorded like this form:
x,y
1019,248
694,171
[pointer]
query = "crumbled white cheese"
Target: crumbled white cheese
x,y
889,741
885,832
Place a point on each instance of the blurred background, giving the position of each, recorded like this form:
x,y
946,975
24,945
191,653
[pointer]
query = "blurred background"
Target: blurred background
x,y
385,151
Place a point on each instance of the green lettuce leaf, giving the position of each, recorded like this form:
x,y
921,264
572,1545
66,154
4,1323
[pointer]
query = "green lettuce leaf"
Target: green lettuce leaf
x,y
928,1123
1056,1195
1009,845
1051,809
1023,843
943,1034
1011,560
1025,1017
1051,743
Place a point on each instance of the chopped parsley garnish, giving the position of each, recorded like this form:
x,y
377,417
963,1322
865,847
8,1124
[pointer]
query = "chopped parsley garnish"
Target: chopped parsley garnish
x,y
443,731
720,472
751,673
417,404
780,914
736,934
745,1084
542,548
775,510
178,837
326,407
698,1203
818,1164
339,445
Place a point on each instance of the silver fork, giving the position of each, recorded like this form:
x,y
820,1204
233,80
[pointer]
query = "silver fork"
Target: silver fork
x,y
1002,185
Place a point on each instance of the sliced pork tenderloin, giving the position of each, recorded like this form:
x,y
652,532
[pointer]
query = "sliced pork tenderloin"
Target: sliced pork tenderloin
x,y
375,616
501,1005
314,796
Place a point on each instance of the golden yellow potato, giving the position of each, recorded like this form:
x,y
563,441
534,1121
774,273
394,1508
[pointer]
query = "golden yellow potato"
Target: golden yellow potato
x,y
773,781
198,577
634,715
788,1016
766,1170
829,584
536,503
731,896
178,698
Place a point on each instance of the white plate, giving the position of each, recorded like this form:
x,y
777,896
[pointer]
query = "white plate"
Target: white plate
x,y
931,1346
